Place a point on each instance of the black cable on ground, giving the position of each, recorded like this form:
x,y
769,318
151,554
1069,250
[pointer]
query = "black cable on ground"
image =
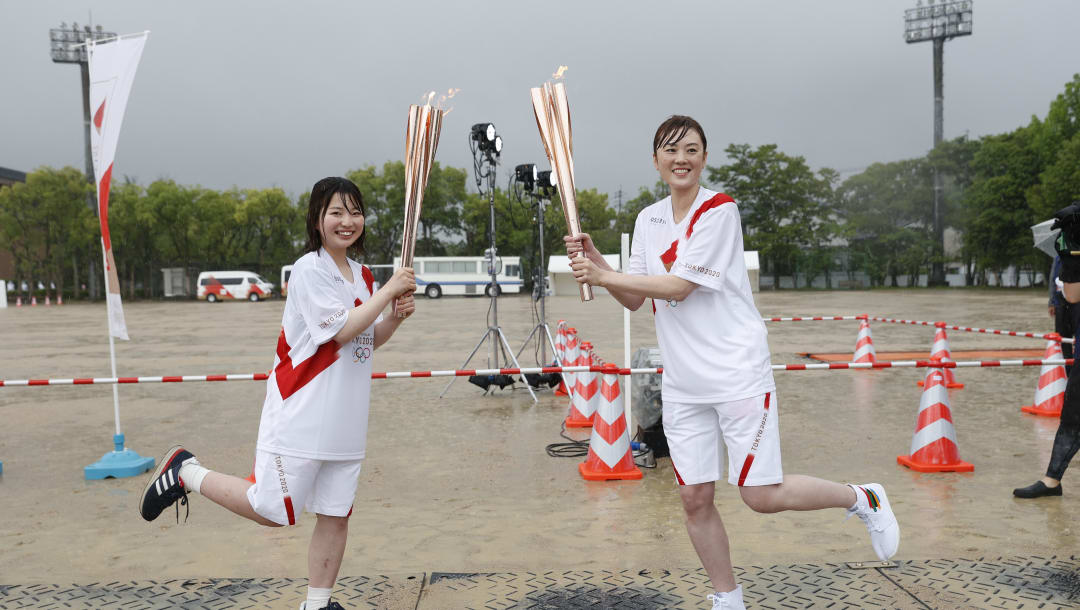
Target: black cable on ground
x,y
568,450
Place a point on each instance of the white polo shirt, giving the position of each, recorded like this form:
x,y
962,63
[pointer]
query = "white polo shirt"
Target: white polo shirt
x,y
318,392
714,342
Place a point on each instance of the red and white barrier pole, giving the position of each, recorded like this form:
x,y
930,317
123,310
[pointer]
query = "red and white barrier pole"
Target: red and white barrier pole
x,y
824,366
989,331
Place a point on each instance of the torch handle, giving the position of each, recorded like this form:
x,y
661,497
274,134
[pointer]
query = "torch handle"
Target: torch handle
x,y
585,289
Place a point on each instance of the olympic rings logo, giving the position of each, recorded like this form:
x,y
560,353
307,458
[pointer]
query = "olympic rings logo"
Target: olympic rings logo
x,y
672,302
361,354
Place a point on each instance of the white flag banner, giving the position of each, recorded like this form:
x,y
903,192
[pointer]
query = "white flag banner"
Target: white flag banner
x,y
112,70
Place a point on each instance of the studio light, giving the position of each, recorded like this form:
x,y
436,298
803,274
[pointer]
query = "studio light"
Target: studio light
x,y
486,139
547,179
526,175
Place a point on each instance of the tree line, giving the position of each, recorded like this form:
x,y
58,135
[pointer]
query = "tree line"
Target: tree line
x,y
803,222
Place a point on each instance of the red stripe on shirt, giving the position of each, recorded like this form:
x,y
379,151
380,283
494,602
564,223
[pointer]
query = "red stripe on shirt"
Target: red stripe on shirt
x,y
717,200
369,278
289,378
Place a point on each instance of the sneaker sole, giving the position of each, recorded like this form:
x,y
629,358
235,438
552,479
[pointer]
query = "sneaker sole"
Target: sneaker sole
x,y
162,465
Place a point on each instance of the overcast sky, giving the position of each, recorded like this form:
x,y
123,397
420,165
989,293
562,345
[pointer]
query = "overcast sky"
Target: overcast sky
x,y
259,94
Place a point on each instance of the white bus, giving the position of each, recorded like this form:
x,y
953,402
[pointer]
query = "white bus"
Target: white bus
x,y
439,275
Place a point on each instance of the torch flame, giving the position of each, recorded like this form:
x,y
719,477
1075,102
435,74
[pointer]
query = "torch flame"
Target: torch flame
x,y
449,95
559,73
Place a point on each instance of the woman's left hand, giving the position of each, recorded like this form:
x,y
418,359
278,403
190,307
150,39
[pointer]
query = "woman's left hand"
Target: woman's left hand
x,y
404,306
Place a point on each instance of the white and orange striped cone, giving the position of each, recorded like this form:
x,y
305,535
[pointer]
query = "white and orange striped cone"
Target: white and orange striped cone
x,y
33,300
59,299
864,343
560,352
47,302
934,447
1050,391
571,353
940,350
610,457
585,395
18,301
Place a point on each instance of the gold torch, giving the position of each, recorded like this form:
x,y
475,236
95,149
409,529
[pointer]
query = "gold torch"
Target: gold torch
x,y
553,118
421,141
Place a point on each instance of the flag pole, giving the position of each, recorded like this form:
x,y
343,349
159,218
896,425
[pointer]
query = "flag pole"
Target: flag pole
x,y
120,462
112,354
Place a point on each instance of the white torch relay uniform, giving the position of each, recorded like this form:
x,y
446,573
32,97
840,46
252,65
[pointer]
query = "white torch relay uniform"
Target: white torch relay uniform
x,y
313,430
717,380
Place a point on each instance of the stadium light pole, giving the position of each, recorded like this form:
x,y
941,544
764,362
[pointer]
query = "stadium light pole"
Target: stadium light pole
x,y
938,22
63,49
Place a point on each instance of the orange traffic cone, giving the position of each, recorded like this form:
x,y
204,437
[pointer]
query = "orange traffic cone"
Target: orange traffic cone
x,y
59,299
47,303
940,350
609,456
18,301
572,352
560,353
1050,391
934,446
33,300
864,344
584,398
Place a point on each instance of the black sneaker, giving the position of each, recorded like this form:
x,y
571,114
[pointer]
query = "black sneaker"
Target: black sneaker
x,y
165,487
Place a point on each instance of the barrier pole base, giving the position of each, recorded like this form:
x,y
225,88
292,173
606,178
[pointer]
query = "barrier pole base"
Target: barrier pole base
x,y
905,460
118,464
1032,409
627,475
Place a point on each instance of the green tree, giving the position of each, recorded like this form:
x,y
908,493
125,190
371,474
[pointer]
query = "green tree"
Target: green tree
x,y
1006,167
46,226
887,219
785,206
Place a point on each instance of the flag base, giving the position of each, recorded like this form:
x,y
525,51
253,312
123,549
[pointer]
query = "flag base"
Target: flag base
x,y
118,464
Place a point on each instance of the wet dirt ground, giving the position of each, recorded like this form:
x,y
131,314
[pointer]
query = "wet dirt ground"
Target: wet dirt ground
x,y
463,484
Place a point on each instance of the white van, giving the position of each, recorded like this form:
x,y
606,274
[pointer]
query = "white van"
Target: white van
x,y
221,285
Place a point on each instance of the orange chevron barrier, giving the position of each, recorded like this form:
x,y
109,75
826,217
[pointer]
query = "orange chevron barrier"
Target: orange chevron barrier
x,y
1050,389
864,343
940,350
610,457
934,446
584,397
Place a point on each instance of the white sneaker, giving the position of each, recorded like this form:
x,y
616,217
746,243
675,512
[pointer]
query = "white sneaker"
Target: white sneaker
x,y
873,508
732,600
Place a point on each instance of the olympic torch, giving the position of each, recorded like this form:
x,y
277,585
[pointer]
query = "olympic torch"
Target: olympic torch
x,y
421,140
553,119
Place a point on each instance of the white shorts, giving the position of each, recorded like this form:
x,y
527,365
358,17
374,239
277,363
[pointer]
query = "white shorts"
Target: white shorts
x,y
750,428
284,482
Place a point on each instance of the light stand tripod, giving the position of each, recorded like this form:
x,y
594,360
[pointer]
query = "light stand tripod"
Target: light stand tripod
x,y
486,147
538,185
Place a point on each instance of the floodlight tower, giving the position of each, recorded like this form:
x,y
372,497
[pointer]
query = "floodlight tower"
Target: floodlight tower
x,y
67,45
938,22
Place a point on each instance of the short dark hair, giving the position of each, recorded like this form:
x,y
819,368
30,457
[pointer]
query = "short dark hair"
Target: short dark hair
x,y
674,129
321,194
